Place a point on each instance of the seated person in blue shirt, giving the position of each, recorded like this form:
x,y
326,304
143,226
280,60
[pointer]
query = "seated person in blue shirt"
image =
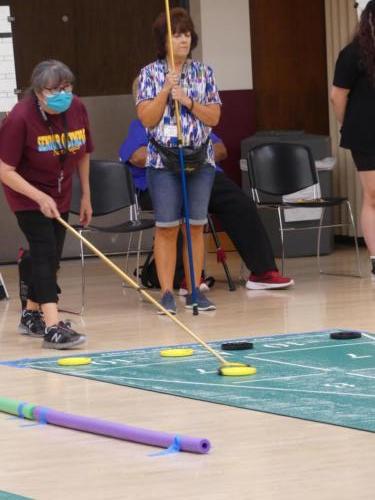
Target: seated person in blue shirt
x,y
236,212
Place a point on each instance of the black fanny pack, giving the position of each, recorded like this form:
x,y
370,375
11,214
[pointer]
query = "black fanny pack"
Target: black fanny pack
x,y
194,158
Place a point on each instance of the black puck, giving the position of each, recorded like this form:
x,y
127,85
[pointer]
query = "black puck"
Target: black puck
x,y
237,346
345,335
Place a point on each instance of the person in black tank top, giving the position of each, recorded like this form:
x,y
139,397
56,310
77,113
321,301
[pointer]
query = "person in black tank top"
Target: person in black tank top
x,y
353,99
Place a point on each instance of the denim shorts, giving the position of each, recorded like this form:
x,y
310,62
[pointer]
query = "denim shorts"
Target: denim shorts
x,y
166,194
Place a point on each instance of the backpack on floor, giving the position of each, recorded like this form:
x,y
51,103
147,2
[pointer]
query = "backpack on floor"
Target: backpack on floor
x,y
149,276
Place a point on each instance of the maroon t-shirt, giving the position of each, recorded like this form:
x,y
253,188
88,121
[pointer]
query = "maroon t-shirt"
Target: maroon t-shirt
x,y
27,144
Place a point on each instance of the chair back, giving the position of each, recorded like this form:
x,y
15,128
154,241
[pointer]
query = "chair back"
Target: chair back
x,y
281,168
111,187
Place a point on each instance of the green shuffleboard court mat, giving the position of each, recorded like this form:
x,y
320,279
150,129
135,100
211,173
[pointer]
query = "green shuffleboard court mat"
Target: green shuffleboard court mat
x,y
305,375
5,495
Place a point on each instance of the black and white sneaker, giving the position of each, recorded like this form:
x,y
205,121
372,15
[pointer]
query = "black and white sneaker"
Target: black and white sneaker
x,y
32,323
61,336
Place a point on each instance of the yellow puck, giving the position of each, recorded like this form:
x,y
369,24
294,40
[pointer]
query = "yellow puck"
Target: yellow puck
x,y
74,361
237,370
176,353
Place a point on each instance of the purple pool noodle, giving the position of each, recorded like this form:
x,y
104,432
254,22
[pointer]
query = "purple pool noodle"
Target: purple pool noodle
x,y
120,431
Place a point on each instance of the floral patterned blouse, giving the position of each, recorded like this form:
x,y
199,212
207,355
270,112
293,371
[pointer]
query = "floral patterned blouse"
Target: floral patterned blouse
x,y
199,84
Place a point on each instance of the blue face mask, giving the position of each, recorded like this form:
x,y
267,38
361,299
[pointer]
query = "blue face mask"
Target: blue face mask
x,y
59,102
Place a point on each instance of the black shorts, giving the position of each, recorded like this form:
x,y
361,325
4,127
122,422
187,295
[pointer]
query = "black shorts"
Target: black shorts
x,y
363,161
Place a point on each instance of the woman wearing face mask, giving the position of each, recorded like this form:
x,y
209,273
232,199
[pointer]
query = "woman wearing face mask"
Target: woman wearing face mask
x,y
42,141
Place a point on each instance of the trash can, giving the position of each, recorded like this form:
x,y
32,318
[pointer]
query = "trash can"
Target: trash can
x,y
296,243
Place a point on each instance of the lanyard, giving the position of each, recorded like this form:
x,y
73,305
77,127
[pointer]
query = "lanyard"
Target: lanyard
x,y
64,153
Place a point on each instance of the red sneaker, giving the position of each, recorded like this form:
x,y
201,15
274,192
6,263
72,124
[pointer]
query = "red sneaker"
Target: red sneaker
x,y
203,287
268,281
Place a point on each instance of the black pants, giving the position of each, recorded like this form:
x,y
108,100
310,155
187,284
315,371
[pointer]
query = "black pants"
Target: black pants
x,y
46,240
239,217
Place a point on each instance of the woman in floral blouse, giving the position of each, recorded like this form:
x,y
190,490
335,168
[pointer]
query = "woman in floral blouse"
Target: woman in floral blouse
x,y
192,84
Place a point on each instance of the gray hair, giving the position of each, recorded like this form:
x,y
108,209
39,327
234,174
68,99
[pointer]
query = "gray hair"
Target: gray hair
x,y
50,73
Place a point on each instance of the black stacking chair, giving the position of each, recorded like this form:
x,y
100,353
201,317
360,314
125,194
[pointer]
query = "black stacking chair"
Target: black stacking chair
x,y
278,169
112,190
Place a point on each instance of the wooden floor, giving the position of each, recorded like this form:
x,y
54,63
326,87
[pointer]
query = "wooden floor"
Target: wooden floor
x,y
255,456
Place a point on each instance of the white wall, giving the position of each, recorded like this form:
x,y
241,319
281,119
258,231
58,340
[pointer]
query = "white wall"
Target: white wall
x,y
195,12
361,5
225,40
7,70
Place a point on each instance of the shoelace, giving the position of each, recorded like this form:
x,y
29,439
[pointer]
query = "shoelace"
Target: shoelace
x,y
65,327
59,334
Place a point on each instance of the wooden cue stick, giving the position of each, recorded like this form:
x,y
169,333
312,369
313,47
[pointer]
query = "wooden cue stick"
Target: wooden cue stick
x,y
135,285
171,55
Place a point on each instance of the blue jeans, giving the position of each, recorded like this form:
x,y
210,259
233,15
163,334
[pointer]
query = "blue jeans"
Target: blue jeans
x,y
167,200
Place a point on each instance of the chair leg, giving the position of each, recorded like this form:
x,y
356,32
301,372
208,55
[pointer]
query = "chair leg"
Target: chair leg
x,y
128,252
83,282
281,229
83,276
138,254
319,239
352,223
231,285
355,237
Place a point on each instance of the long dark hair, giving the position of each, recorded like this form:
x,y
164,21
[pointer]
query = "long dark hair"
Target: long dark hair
x,y
366,40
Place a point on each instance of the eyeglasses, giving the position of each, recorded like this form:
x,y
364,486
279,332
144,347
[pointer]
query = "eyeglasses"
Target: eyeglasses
x,y
64,87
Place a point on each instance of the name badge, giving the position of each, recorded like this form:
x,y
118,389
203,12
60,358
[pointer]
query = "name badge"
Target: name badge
x,y
170,131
